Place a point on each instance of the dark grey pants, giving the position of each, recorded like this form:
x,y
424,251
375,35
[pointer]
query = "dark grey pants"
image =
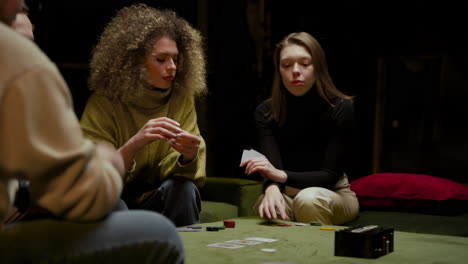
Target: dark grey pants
x,y
178,199
134,236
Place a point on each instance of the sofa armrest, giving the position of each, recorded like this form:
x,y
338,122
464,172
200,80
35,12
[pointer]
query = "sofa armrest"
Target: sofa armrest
x,y
240,192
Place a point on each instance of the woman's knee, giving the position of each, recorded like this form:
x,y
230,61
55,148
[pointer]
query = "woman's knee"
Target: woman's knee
x,y
146,225
313,204
137,230
313,197
180,185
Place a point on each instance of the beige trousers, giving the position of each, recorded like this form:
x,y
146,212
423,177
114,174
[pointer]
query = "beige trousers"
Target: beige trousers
x,y
317,204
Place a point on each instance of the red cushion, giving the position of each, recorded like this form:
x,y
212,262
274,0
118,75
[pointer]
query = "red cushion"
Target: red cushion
x,y
403,191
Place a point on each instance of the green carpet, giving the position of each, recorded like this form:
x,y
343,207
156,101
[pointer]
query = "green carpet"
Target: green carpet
x,y
415,222
309,244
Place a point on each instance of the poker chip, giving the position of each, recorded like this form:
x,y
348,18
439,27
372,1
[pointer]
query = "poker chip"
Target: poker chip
x,y
229,223
268,250
315,223
327,228
212,228
194,227
283,225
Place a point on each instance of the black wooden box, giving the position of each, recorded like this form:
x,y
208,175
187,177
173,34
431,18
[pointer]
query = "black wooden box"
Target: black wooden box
x,y
370,241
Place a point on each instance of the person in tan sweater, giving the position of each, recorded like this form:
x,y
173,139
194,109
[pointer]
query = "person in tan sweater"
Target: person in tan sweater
x,y
22,24
146,71
75,181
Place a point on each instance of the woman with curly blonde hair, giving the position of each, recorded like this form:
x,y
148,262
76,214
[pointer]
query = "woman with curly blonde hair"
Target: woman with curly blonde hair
x,y
146,71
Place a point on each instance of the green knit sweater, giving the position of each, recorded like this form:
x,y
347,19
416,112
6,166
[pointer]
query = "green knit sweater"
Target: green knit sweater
x,y
115,122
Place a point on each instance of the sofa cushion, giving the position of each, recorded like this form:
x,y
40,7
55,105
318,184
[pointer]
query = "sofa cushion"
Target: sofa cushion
x,y
411,192
217,211
239,192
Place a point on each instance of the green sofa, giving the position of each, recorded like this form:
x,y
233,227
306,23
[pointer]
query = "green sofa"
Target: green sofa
x,y
225,198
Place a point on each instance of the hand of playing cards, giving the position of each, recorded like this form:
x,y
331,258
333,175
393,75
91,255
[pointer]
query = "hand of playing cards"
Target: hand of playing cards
x,y
256,162
233,244
250,153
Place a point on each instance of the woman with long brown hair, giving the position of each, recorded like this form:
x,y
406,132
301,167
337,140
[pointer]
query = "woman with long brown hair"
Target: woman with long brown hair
x,y
305,130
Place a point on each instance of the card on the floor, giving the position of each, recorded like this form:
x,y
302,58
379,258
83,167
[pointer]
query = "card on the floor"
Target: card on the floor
x,y
244,242
250,153
226,245
262,239
187,230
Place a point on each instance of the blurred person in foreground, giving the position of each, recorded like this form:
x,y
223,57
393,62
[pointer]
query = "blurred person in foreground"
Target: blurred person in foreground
x,y
74,183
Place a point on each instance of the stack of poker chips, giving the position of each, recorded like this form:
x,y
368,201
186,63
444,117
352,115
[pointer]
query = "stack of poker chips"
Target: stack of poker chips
x,y
229,223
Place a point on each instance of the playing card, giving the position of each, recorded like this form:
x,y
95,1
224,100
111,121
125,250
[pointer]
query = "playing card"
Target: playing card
x,y
244,242
226,245
250,153
187,229
277,263
262,239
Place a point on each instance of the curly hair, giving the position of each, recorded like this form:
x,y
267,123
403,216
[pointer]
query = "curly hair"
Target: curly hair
x,y
117,68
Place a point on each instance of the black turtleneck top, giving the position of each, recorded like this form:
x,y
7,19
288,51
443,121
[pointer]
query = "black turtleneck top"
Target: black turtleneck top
x,y
312,146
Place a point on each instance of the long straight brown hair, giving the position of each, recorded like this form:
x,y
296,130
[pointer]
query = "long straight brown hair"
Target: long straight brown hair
x,y
324,84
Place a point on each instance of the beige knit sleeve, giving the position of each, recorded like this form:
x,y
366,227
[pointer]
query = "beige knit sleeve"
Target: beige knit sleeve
x,y
44,142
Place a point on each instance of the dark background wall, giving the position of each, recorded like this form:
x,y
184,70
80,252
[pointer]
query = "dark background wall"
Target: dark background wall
x,y
405,61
